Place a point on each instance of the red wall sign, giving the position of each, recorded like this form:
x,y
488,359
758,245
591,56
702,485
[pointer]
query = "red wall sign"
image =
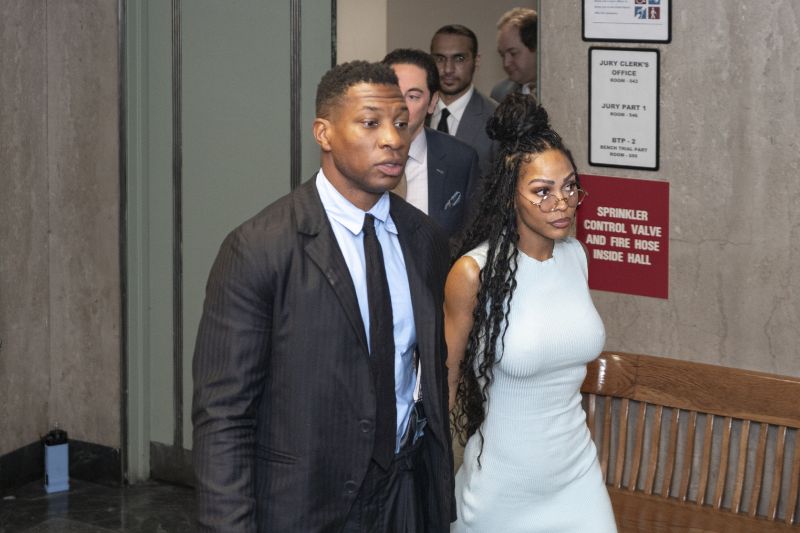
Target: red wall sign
x,y
625,225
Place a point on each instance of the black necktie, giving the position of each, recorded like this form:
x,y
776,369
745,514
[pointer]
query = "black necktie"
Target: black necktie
x,y
381,346
443,121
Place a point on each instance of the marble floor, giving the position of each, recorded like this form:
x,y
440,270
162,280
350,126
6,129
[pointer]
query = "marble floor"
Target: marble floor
x,y
89,508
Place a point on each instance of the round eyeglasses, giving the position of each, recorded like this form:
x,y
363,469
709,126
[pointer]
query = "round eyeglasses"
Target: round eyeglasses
x,y
550,203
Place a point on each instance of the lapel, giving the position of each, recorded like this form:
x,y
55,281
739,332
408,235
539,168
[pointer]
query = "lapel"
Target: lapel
x,y
437,173
422,301
470,119
323,250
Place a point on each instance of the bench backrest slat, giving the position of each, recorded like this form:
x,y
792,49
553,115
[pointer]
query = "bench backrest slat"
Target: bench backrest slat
x,y
744,440
674,426
705,466
619,462
722,470
652,460
686,471
794,487
777,474
638,448
606,446
758,479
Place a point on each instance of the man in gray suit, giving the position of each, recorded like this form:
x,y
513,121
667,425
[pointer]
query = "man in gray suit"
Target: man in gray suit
x,y
320,338
461,110
442,172
516,44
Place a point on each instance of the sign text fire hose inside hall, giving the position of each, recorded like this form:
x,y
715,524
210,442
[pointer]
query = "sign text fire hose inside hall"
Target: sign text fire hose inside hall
x,y
622,235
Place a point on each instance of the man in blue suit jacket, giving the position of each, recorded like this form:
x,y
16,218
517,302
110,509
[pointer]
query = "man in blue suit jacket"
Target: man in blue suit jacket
x,y
442,173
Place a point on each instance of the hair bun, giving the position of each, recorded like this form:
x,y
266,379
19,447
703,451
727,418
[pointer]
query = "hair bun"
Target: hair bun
x,y
518,117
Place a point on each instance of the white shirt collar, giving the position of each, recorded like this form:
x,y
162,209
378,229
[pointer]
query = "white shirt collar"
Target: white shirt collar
x,y
419,147
458,105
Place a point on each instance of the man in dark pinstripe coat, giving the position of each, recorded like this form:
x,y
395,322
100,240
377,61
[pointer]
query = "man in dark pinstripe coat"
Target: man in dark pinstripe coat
x,y
284,407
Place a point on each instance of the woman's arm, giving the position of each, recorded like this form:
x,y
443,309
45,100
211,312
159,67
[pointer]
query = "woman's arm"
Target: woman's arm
x,y
460,296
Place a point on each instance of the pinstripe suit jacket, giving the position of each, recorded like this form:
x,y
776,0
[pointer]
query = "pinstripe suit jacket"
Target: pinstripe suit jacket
x,y
284,407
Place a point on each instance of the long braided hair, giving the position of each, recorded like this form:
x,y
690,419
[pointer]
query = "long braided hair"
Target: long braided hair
x,y
521,128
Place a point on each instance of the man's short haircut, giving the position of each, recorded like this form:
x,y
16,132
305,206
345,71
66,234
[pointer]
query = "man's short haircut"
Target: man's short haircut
x,y
413,56
525,20
458,29
335,83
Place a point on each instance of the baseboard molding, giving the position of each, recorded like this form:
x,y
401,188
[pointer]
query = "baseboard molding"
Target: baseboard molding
x,y
21,467
172,464
87,461
95,462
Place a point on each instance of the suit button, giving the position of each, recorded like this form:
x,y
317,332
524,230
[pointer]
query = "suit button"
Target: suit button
x,y
366,425
350,487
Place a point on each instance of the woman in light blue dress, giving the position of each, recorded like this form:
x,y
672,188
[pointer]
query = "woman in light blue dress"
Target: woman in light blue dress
x,y
521,327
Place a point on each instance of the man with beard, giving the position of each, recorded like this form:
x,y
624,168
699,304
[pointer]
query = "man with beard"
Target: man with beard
x,y
462,110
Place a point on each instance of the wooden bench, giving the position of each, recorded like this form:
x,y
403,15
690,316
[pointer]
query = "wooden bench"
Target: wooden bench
x,y
694,447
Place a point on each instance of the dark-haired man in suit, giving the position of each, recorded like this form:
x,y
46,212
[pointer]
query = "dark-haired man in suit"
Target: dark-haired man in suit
x,y
461,110
442,173
321,341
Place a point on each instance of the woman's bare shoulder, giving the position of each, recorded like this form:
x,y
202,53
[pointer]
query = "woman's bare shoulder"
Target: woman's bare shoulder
x,y
464,278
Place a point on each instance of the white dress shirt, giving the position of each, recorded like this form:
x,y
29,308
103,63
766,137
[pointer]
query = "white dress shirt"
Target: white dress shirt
x,y
417,173
456,108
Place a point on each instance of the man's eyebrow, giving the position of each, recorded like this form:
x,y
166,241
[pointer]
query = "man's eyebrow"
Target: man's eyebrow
x,y
377,109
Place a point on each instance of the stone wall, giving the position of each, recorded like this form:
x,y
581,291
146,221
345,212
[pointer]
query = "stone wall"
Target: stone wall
x,y
730,105
59,221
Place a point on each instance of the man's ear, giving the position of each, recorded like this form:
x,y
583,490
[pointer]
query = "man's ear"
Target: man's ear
x,y
322,133
477,61
432,105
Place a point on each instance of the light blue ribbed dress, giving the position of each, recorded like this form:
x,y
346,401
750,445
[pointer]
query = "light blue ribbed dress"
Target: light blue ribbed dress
x,y
539,470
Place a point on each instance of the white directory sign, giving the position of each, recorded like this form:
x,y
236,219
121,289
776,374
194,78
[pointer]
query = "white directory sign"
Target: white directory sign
x,y
623,107
627,20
